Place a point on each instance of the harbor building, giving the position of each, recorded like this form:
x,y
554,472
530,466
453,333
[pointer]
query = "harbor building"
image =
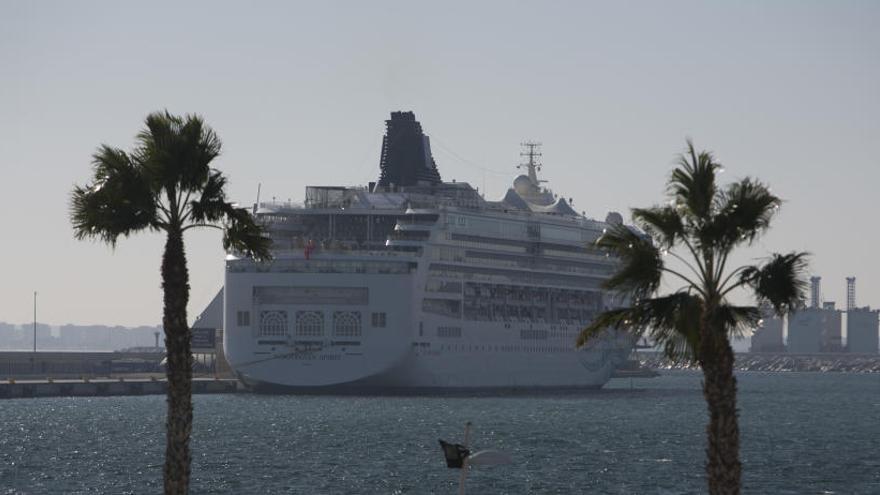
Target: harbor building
x,y
805,330
768,336
832,340
815,328
861,324
862,333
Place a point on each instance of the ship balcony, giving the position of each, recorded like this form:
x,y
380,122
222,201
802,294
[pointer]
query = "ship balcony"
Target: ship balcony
x,y
404,243
426,212
413,227
296,254
444,295
384,262
410,234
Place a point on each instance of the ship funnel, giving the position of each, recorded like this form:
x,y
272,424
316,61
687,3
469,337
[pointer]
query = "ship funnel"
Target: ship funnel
x,y
406,154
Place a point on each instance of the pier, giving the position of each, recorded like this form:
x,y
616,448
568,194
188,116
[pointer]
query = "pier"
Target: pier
x,y
102,387
95,374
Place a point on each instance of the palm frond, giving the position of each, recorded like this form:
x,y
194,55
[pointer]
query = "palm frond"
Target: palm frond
x,y
671,321
736,320
641,264
211,205
201,146
117,202
674,324
243,235
155,148
692,184
613,318
177,151
745,209
780,282
661,222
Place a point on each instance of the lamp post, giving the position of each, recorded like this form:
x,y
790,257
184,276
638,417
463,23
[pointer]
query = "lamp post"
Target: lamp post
x,y
35,322
34,355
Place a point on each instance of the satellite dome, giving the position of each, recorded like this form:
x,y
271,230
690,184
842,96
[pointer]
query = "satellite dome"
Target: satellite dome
x,y
614,218
523,185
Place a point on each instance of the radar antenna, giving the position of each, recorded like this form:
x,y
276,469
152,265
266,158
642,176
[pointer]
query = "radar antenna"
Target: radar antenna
x,y
531,150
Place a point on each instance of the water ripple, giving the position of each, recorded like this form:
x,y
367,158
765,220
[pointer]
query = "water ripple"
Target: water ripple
x,y
801,433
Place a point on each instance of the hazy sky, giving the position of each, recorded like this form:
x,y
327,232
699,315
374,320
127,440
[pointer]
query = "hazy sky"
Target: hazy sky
x,y
785,91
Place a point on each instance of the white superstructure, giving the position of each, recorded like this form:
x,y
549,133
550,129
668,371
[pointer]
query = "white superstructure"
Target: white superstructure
x,y
413,283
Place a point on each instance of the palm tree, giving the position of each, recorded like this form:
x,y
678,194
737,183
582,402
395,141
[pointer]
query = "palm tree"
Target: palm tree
x,y
699,229
167,184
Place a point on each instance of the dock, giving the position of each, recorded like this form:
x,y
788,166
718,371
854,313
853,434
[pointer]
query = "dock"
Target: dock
x,y
105,387
637,373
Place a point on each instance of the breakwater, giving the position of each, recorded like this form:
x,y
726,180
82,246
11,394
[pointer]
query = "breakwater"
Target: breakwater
x,y
840,363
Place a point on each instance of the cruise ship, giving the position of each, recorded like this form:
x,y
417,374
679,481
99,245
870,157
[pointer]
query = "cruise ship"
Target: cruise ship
x,y
415,284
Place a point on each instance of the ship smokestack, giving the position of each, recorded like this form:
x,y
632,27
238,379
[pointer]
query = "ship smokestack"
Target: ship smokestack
x,y
406,154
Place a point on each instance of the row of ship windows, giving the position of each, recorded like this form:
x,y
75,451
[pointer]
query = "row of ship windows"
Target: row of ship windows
x,y
506,348
319,266
488,275
275,323
476,310
519,230
536,263
455,332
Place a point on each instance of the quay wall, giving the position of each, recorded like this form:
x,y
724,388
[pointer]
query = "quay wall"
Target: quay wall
x,y
12,389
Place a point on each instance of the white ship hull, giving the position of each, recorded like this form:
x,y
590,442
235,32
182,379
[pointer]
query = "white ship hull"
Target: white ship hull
x,y
412,351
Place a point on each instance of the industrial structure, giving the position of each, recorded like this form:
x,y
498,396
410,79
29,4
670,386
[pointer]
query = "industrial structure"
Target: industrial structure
x,y
815,292
805,327
850,293
862,324
818,326
862,331
815,328
768,337
832,339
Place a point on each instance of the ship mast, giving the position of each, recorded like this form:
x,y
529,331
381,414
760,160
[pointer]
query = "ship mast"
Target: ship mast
x,y
531,151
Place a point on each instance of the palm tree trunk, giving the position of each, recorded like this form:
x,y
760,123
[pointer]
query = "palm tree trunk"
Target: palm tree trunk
x,y
723,468
178,425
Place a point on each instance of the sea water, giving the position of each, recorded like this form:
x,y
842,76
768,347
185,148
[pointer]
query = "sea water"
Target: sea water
x,y
801,433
